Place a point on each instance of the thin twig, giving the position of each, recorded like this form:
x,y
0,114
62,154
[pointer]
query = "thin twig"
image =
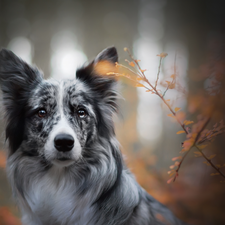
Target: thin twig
x,y
206,138
175,74
194,144
156,92
160,63
179,165
210,162
174,113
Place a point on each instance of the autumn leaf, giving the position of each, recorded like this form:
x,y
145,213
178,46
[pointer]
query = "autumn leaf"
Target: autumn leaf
x,y
187,122
168,82
207,163
198,154
214,174
149,90
177,109
171,172
139,78
180,132
139,85
211,156
172,86
169,181
173,76
171,115
176,158
162,55
187,145
202,146
132,64
172,166
143,71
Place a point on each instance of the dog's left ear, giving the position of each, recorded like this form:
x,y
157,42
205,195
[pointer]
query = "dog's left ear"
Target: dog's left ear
x,y
97,76
108,54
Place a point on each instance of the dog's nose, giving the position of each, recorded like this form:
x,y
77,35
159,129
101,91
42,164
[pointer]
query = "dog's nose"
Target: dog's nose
x,y
64,142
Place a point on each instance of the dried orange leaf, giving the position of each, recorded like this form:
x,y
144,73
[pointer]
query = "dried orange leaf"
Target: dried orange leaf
x,y
202,146
162,55
132,64
171,115
173,76
171,172
187,122
171,167
168,100
180,132
211,156
177,109
149,90
176,158
172,86
198,153
137,60
139,85
169,181
139,78
213,174
168,82
143,71
207,163
184,150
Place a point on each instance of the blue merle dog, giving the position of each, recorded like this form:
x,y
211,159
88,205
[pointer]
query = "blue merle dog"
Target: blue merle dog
x,y
64,162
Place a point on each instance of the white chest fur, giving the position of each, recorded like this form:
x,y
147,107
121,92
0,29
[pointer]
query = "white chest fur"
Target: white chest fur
x,y
53,200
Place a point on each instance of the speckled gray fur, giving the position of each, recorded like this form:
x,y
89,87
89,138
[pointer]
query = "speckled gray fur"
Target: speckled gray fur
x,y
92,186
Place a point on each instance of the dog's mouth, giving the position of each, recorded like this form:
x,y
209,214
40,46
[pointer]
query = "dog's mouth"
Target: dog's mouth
x,y
63,158
63,161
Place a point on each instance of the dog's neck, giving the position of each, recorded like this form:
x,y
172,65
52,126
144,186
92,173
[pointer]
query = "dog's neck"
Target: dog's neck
x,y
61,192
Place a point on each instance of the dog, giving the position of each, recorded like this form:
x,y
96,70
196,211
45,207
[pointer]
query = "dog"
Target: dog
x,y
64,162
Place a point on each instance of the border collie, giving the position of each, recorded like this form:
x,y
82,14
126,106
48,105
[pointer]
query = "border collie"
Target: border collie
x,y
64,162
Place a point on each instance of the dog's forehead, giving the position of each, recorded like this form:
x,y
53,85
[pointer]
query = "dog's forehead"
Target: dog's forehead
x,y
72,87
51,90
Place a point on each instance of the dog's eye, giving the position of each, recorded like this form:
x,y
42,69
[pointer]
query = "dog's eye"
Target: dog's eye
x,y
81,113
42,113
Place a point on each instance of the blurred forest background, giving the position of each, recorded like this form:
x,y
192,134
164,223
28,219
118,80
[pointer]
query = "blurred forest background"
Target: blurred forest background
x,y
60,35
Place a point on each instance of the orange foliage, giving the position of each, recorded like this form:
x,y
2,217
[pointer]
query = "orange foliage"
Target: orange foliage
x,y
2,159
209,104
7,218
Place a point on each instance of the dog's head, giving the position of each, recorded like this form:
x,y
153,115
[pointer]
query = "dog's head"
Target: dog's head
x,y
59,122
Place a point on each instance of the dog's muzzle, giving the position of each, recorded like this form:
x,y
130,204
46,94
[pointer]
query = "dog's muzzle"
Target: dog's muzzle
x,y
64,142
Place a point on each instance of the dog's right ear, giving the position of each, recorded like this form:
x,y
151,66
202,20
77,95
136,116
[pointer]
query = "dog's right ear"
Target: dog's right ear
x,y
17,80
